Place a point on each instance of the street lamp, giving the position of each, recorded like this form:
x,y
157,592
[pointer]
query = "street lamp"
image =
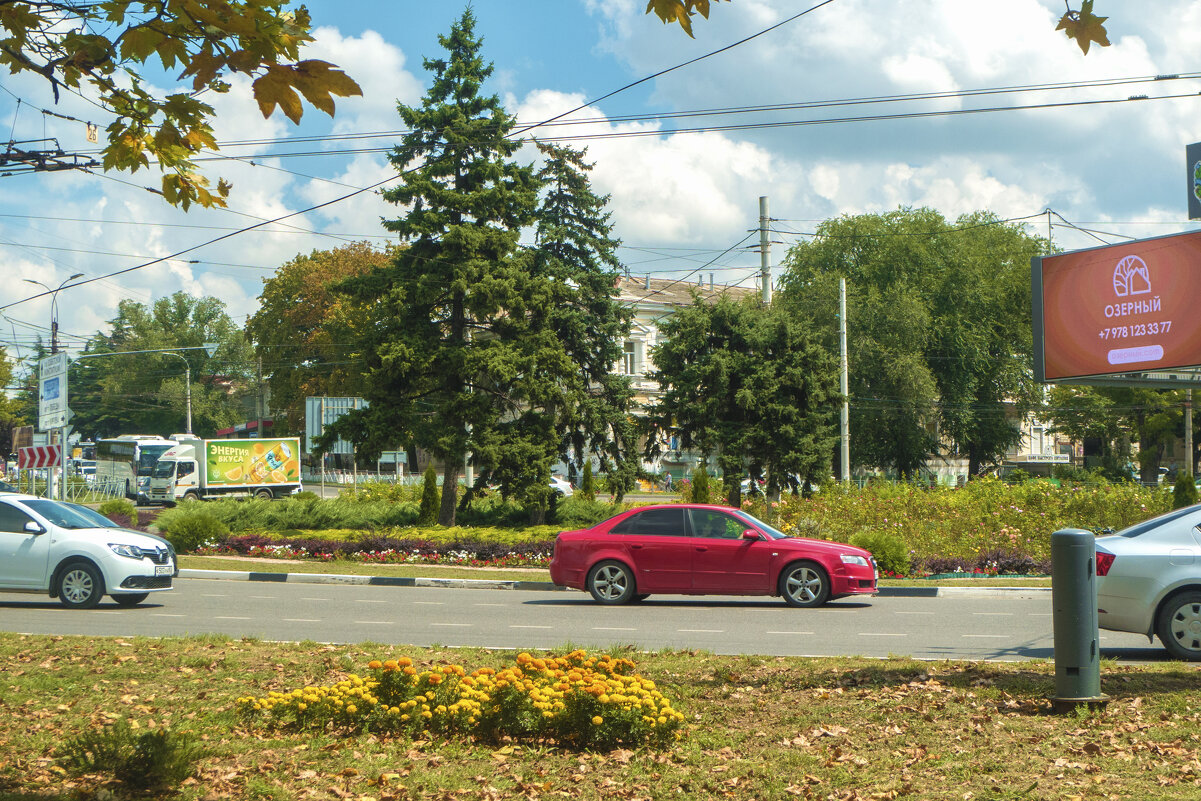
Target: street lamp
x,y
208,347
54,308
187,381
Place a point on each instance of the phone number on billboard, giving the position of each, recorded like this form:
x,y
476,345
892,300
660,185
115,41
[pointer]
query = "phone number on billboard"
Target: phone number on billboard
x,y
1139,330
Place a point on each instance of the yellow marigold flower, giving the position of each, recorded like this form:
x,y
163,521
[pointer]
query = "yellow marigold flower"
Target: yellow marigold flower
x,y
302,706
404,717
375,664
598,720
390,664
410,671
351,708
427,714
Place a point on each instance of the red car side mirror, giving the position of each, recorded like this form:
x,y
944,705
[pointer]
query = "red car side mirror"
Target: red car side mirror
x,y
750,534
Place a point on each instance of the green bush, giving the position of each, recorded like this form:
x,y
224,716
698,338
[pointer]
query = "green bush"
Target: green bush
x,y
587,485
579,512
430,501
156,760
1185,492
889,550
306,495
191,525
120,506
700,485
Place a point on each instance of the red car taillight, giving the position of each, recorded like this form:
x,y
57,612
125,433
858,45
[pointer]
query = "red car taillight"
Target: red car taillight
x,y
1104,562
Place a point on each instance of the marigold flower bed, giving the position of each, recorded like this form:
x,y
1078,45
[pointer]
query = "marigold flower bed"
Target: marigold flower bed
x,y
578,701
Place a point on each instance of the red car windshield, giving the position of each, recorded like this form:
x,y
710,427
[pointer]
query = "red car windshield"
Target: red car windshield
x,y
773,533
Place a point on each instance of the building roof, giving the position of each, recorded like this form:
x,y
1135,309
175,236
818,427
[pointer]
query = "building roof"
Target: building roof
x,y
674,291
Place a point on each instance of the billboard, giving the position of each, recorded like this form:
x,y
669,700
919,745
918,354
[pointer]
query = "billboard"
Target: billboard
x,y
1118,310
236,462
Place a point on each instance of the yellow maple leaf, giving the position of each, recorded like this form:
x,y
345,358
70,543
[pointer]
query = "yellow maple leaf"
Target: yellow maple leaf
x,y
1084,26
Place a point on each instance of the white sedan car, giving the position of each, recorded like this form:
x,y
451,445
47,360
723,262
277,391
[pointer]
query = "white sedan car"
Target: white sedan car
x,y
1149,581
77,555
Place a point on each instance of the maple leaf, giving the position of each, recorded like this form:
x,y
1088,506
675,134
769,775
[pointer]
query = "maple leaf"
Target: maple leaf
x,y
1084,26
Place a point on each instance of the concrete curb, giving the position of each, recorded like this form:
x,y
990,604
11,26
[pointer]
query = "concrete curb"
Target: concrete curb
x,y
546,586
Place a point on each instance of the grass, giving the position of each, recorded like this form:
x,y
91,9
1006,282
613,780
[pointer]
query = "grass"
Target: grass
x,y
759,727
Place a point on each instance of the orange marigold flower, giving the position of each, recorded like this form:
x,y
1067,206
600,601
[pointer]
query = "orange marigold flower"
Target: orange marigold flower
x,y
375,664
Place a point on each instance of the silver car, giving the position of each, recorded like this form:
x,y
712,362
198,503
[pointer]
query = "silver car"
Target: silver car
x,y
1149,581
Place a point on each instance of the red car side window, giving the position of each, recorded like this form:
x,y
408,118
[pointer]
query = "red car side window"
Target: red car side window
x,y
653,522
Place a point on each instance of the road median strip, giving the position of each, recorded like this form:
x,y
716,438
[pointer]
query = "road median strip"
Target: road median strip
x,y
546,586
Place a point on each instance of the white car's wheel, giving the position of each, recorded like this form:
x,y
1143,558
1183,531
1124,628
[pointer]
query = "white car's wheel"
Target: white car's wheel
x,y
80,585
1179,626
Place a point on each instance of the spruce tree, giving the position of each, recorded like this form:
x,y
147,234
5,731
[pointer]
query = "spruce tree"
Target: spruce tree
x,y
450,337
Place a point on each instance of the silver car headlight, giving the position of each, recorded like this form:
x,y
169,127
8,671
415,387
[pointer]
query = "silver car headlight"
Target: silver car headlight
x,y
130,551
851,559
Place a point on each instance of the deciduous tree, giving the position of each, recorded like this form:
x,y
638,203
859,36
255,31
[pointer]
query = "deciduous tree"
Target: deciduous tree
x,y
307,334
106,47
146,393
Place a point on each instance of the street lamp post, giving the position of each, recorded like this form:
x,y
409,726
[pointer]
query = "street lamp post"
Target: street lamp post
x,y
62,431
208,347
54,308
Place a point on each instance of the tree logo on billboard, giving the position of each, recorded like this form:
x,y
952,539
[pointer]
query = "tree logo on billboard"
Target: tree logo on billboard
x,y
1197,180
1132,276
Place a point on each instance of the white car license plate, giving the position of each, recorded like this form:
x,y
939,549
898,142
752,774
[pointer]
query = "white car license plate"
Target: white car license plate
x,y
164,570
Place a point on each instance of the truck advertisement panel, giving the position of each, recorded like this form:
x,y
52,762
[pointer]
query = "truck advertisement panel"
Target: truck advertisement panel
x,y
240,462
1119,309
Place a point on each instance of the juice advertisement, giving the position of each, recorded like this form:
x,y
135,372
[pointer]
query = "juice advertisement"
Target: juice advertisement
x,y
252,461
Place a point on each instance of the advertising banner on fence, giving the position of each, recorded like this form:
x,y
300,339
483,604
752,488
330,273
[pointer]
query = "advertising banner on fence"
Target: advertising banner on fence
x,y
1119,309
238,462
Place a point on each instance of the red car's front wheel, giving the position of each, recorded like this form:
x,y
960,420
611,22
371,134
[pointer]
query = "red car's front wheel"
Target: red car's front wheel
x,y
804,584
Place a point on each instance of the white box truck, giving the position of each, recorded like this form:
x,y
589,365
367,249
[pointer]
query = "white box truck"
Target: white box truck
x,y
197,469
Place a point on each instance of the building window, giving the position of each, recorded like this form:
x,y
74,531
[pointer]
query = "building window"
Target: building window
x,y
629,359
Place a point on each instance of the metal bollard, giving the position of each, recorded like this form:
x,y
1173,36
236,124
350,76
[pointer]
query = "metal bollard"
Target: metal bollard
x,y
1074,608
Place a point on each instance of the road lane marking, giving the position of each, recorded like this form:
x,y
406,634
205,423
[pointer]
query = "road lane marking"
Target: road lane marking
x,y
914,613
986,636
457,625
610,628
790,632
263,597
373,622
994,614
531,627
226,617
220,595
429,603
301,620
370,601
165,614
700,631
314,599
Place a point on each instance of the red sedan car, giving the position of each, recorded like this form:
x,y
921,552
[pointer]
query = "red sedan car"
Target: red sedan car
x,y
695,549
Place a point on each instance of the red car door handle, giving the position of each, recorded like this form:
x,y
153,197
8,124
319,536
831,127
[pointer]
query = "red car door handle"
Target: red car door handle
x,y
636,547
702,548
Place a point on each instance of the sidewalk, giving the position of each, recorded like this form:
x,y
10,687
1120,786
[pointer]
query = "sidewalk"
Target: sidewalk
x,y
546,586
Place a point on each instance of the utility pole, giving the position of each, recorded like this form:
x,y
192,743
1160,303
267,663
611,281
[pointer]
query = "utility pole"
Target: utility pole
x,y
764,251
844,383
260,404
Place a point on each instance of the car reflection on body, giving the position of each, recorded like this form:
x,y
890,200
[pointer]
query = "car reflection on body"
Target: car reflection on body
x,y
1149,581
697,549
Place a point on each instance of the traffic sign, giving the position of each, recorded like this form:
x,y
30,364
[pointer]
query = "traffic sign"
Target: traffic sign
x,y
38,456
52,391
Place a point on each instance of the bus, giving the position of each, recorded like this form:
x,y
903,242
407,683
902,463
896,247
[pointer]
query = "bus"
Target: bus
x,y
127,462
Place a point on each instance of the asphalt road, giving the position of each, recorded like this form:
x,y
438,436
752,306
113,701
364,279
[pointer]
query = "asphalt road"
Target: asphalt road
x,y
978,627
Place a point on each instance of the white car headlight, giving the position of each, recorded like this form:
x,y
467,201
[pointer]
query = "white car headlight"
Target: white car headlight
x,y
131,551
851,559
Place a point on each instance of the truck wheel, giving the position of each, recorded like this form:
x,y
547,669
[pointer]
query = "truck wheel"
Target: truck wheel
x,y
264,494
191,496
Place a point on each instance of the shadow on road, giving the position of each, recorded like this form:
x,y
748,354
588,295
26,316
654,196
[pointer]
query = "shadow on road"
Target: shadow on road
x,y
685,602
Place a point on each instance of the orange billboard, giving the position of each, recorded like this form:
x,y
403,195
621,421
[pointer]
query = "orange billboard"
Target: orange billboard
x,y
1118,309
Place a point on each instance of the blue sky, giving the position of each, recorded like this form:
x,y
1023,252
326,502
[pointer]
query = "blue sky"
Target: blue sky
x,y
678,201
